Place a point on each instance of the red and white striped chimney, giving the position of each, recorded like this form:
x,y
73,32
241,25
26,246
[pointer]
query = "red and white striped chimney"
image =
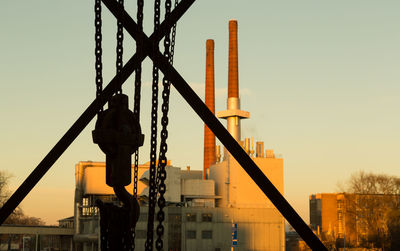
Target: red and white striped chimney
x,y
209,137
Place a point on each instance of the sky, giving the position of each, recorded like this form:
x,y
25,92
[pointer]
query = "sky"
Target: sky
x,y
320,79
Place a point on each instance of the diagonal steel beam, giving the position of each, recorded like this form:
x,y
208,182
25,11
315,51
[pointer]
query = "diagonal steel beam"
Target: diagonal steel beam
x,y
219,130
91,111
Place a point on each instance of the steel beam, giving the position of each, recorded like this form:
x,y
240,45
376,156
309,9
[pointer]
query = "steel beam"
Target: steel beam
x,y
222,134
150,47
91,111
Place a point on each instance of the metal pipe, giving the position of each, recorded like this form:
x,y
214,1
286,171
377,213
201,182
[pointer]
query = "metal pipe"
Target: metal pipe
x,y
233,122
218,154
247,145
260,149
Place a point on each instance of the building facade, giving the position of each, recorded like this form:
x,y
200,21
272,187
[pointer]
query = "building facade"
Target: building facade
x,y
195,218
351,220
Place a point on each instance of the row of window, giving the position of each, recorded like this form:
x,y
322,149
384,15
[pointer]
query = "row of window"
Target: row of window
x,y
205,217
205,234
190,234
190,217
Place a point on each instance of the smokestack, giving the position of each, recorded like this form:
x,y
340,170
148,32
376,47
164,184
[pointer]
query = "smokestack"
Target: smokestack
x,y
233,114
260,149
218,154
247,145
233,70
209,137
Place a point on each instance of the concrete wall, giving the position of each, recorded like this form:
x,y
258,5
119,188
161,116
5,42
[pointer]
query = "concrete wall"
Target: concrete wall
x,y
328,213
260,226
238,189
198,187
258,229
91,177
245,193
173,184
219,173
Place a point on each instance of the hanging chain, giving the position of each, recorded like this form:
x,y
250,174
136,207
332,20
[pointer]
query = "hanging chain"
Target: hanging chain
x,y
98,50
171,56
153,142
136,106
162,160
138,84
119,49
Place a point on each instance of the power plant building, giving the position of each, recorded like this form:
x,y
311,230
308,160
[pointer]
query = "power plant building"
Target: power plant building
x,y
218,208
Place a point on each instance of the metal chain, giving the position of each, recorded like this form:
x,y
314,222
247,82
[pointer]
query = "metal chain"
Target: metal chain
x,y
138,84
162,160
115,227
153,142
98,50
171,57
119,49
136,106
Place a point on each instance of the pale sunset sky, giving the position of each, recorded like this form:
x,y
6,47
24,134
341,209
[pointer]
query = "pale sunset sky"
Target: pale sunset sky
x,y
321,80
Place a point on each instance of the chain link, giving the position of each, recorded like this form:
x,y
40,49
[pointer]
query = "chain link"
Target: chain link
x,y
136,107
98,50
162,160
171,57
138,84
119,49
157,173
153,142
115,228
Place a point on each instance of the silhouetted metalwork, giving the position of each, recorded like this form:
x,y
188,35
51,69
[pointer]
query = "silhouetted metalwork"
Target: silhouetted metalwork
x,y
117,223
90,112
153,142
150,49
118,135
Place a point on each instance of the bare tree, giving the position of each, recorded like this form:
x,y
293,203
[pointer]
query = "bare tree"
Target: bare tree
x,y
371,200
18,216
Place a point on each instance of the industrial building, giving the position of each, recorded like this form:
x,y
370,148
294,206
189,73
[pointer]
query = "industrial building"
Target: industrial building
x,y
218,208
350,219
36,238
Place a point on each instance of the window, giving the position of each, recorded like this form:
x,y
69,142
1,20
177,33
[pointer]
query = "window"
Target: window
x,y
191,234
191,217
206,234
206,217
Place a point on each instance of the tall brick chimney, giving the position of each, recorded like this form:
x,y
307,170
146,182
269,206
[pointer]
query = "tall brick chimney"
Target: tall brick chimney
x,y
233,114
209,137
233,71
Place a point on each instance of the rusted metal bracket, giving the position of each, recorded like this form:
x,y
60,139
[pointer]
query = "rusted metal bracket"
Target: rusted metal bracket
x,y
150,48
